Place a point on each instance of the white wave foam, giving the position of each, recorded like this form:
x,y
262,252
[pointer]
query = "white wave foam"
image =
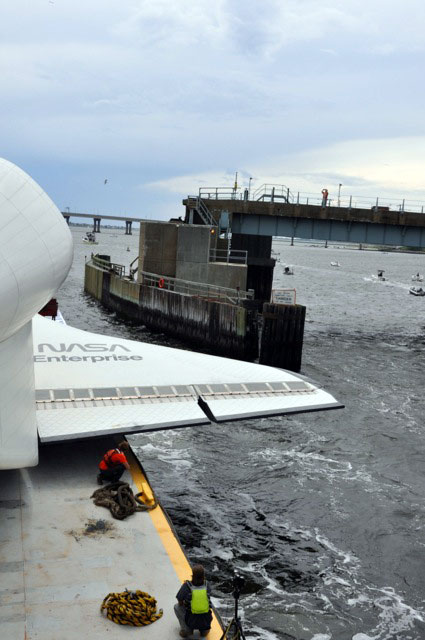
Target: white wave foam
x,y
263,634
313,462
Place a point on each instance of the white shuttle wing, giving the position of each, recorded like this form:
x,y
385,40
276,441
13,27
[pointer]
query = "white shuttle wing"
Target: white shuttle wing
x,y
90,385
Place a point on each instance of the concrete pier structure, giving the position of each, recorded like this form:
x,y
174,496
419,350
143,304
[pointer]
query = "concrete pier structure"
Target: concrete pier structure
x,y
217,326
192,253
189,284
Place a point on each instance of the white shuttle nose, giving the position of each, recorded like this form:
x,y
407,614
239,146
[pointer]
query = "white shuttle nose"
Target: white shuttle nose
x,y
35,248
35,257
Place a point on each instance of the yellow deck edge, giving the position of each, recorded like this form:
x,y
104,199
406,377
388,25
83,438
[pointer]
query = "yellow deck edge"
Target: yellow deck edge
x,y
171,544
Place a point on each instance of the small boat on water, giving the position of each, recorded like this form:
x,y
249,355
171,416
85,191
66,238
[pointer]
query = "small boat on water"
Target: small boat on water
x,y
381,274
335,263
288,271
417,291
418,277
90,238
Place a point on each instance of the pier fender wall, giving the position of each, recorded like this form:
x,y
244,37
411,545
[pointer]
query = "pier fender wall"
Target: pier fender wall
x,y
93,281
282,336
215,326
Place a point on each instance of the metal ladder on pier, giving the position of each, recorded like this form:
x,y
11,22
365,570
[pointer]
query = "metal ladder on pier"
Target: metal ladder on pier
x,y
198,205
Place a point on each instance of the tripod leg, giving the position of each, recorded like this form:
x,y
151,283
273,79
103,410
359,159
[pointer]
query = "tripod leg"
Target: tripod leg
x,y
226,631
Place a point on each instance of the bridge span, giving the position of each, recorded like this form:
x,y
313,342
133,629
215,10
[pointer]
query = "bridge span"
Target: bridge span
x,y
98,217
282,215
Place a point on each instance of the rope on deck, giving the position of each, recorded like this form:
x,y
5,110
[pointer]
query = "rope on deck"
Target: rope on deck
x,y
135,608
119,498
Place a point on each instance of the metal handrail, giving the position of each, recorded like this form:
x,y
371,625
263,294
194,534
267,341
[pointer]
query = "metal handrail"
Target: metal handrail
x,y
273,192
280,192
220,193
199,289
133,270
111,267
234,296
202,210
232,256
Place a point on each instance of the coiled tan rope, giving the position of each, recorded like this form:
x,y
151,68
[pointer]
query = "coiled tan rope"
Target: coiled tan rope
x,y
118,497
135,608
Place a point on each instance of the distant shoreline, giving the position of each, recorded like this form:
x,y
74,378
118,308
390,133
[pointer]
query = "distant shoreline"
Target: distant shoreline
x,y
352,247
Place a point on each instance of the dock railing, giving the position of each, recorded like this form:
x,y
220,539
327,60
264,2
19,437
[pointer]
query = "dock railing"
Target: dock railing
x,y
185,287
198,289
111,267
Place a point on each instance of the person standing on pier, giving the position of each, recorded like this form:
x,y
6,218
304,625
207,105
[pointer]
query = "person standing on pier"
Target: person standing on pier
x,y
325,194
113,464
193,609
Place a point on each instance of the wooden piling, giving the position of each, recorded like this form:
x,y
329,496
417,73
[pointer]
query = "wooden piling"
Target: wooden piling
x,y
282,336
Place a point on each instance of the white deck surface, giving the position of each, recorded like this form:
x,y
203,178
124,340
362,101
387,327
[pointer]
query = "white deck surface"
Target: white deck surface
x,y
53,576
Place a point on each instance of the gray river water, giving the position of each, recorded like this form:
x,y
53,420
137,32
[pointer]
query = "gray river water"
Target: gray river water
x,y
322,514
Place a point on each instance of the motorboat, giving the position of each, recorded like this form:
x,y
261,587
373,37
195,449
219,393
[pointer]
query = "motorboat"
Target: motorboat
x,y
288,271
335,263
380,277
90,238
417,291
418,277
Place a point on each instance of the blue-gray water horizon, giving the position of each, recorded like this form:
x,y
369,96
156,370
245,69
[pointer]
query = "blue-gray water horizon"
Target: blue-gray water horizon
x,y
323,514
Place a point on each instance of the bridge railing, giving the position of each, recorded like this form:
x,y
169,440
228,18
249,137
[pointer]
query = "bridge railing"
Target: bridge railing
x,y
273,192
221,193
361,202
281,193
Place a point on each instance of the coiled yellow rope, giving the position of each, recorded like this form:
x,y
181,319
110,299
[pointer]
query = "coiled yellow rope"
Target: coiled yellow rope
x,y
135,608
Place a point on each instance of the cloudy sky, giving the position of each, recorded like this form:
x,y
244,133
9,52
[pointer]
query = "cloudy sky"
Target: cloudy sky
x,y
160,97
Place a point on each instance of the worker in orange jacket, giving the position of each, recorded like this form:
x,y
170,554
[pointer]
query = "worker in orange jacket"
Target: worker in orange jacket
x,y
113,464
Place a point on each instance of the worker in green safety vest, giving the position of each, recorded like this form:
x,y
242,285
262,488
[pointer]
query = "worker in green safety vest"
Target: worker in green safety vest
x,y
193,609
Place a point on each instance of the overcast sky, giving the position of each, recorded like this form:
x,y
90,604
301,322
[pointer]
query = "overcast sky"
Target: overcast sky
x,y
160,97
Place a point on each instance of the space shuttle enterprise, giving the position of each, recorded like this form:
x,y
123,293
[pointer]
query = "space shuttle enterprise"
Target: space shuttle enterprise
x,y
61,391
61,383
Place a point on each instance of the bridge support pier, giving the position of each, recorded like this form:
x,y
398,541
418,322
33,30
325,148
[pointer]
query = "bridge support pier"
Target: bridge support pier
x,y
96,225
67,219
128,228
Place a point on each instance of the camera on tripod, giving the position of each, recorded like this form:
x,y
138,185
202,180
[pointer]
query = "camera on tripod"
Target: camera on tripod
x,y
238,585
234,629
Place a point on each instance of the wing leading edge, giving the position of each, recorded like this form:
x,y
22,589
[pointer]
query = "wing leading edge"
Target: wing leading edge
x,y
89,385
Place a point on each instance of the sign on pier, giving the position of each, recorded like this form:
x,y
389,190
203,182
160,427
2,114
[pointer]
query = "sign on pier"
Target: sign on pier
x,y
284,296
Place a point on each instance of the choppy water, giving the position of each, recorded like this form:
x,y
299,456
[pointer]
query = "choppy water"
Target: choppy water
x,y
323,514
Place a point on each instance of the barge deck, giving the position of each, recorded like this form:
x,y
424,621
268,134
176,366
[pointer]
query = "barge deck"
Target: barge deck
x,y
60,555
